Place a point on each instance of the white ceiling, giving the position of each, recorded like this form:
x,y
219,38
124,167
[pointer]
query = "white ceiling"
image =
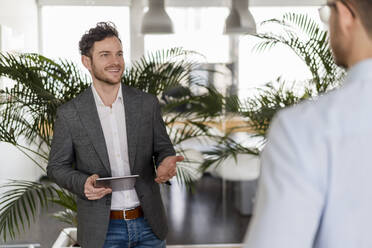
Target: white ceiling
x,y
251,2
185,3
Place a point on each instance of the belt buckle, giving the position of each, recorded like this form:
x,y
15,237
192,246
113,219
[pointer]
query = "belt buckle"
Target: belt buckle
x,y
124,214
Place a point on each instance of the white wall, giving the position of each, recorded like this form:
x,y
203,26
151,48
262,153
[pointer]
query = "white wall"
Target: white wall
x,y
15,165
21,17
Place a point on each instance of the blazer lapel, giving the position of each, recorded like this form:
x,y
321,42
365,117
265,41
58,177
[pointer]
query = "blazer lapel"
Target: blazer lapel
x,y
133,106
89,117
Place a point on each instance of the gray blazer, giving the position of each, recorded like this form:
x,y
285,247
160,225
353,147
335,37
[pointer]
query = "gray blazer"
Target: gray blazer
x,y
79,150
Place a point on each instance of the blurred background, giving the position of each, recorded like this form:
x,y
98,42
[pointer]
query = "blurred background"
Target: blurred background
x,y
240,62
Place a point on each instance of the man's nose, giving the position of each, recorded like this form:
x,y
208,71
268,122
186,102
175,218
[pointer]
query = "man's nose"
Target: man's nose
x,y
116,60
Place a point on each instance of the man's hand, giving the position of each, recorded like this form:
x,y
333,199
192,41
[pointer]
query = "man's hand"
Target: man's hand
x,y
93,193
167,169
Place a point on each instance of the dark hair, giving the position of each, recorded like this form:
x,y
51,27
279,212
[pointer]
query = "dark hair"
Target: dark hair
x,y
101,31
364,9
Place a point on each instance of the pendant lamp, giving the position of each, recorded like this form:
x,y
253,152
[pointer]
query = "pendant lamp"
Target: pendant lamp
x,y
156,19
240,19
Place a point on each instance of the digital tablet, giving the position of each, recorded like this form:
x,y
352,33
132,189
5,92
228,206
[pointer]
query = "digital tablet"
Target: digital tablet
x,y
117,183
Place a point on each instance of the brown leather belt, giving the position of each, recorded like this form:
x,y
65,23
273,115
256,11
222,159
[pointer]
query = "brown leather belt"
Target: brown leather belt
x,y
126,214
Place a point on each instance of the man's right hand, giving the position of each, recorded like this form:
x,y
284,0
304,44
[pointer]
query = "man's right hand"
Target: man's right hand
x,y
93,193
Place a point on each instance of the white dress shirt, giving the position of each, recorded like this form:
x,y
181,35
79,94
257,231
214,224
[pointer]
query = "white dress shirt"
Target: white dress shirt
x,y
115,133
315,188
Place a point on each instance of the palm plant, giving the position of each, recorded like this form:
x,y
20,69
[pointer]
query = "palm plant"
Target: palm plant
x,y
28,111
309,41
267,101
27,114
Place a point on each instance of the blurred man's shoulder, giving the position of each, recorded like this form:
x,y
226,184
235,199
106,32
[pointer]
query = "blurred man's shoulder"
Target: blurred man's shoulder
x,y
331,111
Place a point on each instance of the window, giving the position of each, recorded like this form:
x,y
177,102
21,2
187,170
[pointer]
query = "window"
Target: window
x,y
196,29
63,26
257,68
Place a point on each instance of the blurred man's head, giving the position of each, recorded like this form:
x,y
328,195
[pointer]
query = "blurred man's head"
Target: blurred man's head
x,y
350,25
102,53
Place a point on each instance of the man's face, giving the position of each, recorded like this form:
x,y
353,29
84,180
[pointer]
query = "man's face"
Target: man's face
x,y
106,61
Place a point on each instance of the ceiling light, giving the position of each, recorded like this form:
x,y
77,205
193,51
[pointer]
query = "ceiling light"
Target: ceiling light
x,y
156,20
240,19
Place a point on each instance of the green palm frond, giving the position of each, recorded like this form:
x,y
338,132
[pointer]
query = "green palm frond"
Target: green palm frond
x,y
304,24
209,104
227,148
68,201
188,129
188,171
158,71
193,120
268,100
65,199
67,216
310,42
40,85
19,205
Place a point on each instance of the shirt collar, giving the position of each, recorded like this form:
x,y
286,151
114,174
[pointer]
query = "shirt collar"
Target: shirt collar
x,y
120,94
98,99
361,70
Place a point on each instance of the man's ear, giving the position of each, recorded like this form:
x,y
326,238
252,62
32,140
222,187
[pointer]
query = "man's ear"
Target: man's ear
x,y
346,18
86,62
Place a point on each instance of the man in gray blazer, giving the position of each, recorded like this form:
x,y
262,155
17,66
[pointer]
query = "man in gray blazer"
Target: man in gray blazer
x,y
315,187
112,130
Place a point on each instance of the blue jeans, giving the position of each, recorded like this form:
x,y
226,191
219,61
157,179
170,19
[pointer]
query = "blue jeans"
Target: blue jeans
x,y
131,233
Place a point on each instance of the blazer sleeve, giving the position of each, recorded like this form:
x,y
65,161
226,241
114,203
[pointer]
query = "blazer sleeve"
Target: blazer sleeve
x,y
291,190
163,147
61,159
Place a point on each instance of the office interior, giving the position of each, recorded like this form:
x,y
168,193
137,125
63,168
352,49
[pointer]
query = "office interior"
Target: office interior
x,y
221,38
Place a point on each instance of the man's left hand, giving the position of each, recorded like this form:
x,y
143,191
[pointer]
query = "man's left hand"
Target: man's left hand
x,y
168,168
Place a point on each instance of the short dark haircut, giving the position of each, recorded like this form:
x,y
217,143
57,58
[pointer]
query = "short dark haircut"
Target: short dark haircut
x,y
364,9
100,32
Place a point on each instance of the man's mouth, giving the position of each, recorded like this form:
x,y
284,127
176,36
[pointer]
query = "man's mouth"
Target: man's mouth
x,y
114,70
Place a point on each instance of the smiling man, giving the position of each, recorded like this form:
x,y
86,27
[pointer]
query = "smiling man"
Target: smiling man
x,y
112,130
315,188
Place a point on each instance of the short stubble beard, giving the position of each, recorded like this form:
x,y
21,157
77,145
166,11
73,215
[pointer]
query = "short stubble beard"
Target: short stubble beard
x,y
103,79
